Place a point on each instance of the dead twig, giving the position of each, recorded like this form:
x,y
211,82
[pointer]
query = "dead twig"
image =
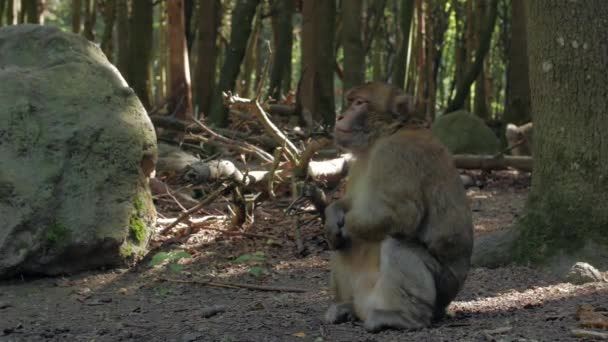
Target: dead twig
x,y
236,232
238,145
197,207
252,106
584,333
231,285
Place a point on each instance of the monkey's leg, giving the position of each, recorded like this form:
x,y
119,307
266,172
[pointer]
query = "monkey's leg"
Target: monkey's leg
x,y
404,296
343,310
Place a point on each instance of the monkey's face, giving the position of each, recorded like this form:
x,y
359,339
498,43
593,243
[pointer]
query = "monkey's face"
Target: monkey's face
x,y
351,131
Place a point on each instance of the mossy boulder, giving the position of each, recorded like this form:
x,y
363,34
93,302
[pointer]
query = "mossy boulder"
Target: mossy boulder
x,y
75,151
465,133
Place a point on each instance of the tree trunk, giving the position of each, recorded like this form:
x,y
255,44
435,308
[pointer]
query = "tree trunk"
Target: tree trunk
x,y
242,17
2,7
89,19
140,49
406,15
122,35
189,7
462,89
30,8
209,22
480,105
282,25
568,204
317,89
10,13
109,17
76,15
517,106
180,91
244,80
352,44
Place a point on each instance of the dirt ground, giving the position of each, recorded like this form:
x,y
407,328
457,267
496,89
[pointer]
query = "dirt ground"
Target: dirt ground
x,y
162,299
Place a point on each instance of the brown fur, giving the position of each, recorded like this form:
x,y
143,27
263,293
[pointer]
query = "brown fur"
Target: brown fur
x,y
403,231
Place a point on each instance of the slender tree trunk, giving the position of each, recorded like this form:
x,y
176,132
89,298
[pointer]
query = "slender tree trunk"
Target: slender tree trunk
x,y
76,15
109,17
242,17
462,89
140,49
189,7
30,10
89,19
318,60
406,15
244,80
282,25
567,209
209,22
180,91
2,7
352,44
517,106
480,104
122,35
10,12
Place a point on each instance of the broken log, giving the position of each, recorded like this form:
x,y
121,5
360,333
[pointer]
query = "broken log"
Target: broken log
x,y
486,162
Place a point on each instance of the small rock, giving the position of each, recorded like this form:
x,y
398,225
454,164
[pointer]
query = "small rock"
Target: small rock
x,y
582,273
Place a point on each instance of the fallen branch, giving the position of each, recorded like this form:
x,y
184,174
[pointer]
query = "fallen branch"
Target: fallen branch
x,y
584,333
231,285
240,145
236,232
484,162
197,207
252,106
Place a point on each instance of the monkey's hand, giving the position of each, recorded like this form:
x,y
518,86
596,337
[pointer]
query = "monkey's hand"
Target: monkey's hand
x,y
334,227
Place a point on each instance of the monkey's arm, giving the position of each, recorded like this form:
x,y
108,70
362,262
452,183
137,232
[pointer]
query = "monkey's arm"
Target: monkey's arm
x,y
389,201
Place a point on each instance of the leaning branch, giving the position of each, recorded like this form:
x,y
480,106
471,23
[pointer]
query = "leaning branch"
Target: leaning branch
x,y
252,106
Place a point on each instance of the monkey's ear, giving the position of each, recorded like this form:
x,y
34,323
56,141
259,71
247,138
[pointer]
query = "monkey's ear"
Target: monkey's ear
x,y
403,106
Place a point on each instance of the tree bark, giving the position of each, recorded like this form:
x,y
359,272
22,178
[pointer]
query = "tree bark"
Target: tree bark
x,y
406,14
318,60
517,106
180,91
567,207
122,35
30,7
10,13
76,15
140,49
463,88
352,44
2,7
209,22
90,18
242,17
282,25
109,17
480,104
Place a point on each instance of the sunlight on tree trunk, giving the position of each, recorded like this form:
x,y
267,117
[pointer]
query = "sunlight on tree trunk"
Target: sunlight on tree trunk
x,y
406,15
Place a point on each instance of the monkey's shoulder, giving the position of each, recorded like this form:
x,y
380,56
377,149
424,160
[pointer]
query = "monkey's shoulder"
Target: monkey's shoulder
x,y
413,141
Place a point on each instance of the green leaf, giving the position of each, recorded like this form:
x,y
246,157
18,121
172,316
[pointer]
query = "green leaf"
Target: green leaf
x,y
256,271
172,256
177,268
245,258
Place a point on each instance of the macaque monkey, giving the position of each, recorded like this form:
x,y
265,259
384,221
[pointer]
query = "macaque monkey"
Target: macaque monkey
x,y
521,135
402,235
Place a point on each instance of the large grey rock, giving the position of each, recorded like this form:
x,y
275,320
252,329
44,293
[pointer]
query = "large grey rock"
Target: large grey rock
x,y
76,147
463,132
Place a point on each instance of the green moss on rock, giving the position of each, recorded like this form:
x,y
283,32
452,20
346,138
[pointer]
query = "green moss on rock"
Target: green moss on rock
x,y
57,234
463,132
137,229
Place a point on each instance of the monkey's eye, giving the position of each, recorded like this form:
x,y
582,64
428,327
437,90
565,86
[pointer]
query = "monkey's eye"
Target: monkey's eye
x,y
360,102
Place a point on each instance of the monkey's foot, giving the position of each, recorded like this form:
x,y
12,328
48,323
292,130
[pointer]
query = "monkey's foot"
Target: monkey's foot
x,y
340,313
379,320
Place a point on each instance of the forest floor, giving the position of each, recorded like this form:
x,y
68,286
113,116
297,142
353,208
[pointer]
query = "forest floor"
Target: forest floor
x,y
160,299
